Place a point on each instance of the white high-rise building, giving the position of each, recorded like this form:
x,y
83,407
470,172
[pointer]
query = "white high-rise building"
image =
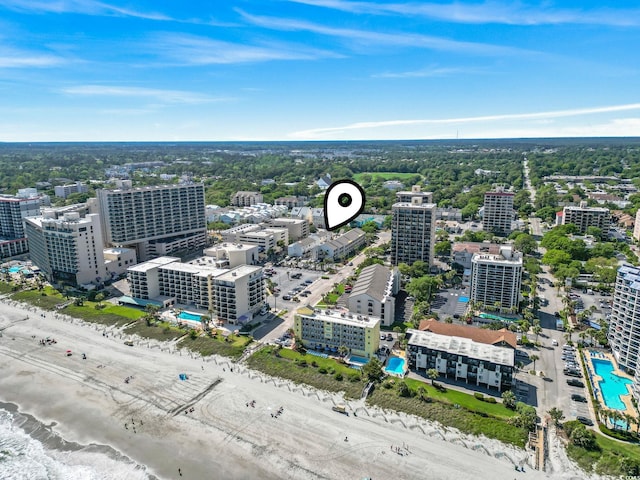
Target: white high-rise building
x,y
13,211
413,230
231,295
156,221
67,249
498,212
496,279
624,324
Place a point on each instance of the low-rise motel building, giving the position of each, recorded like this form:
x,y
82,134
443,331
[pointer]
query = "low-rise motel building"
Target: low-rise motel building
x,y
459,358
328,330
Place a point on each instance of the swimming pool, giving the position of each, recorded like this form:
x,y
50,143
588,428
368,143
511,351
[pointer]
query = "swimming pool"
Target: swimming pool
x,y
358,360
194,317
395,366
611,386
463,299
15,269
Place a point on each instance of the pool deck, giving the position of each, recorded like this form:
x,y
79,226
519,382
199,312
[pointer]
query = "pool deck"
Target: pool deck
x,y
595,379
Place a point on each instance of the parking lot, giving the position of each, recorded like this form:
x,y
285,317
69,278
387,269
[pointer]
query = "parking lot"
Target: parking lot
x,y
446,302
289,286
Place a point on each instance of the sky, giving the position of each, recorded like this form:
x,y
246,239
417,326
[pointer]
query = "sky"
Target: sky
x,y
284,70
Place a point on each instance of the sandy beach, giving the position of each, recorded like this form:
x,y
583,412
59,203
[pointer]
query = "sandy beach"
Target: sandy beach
x,y
89,402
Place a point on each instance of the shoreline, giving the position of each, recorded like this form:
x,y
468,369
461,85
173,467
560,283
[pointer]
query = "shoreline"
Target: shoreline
x,y
222,436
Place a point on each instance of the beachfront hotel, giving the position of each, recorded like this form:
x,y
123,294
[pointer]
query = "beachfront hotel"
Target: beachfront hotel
x,y
156,221
328,330
13,210
68,249
496,279
461,358
230,295
413,228
498,212
624,324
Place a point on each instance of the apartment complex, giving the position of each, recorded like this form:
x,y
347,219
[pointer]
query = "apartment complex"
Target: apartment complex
x,y
343,245
413,228
636,226
297,227
498,212
64,191
231,295
374,293
496,279
328,330
156,221
246,199
67,250
624,324
584,217
461,358
232,255
265,238
13,211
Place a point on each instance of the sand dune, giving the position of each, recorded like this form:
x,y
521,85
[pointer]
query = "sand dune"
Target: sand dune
x,y
222,438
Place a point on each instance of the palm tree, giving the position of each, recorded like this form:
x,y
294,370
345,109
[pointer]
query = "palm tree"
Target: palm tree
x,y
591,332
343,350
556,415
533,358
432,373
582,336
537,329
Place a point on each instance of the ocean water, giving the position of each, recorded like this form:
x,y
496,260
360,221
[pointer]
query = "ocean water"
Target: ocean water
x,y
29,450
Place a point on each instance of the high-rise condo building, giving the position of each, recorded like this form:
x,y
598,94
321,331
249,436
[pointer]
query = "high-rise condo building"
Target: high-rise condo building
x,y
496,279
67,250
415,192
498,212
584,217
413,231
156,220
624,324
13,211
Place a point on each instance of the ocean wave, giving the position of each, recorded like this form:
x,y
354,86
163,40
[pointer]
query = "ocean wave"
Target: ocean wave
x,y
30,450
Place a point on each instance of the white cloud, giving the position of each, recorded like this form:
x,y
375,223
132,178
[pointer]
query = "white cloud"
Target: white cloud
x,y
429,72
509,13
86,7
164,96
366,37
398,128
25,60
194,50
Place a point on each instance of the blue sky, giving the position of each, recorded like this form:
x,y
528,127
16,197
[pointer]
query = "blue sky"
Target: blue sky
x,y
114,70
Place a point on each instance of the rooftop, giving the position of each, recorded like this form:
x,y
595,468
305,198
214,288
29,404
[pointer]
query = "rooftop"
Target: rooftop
x,y
373,281
480,335
155,263
238,272
343,317
461,346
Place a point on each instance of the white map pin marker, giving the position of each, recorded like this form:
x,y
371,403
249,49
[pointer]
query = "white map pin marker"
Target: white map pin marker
x,y
343,202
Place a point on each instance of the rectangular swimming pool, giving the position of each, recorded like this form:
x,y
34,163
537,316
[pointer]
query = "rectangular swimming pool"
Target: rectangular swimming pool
x,y
189,316
611,386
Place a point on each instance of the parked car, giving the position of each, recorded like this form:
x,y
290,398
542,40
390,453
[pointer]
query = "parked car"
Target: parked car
x,y
286,297
389,336
554,342
572,372
578,398
382,336
584,420
575,382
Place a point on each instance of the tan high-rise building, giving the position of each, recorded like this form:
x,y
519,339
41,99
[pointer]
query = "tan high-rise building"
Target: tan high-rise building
x,y
413,228
584,217
498,212
496,279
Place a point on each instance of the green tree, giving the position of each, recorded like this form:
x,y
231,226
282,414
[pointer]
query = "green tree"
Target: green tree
x,y
534,358
509,399
556,415
525,243
373,370
584,438
432,374
424,288
443,248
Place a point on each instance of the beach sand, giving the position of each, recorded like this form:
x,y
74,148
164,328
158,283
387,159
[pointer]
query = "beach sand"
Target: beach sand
x,y
222,438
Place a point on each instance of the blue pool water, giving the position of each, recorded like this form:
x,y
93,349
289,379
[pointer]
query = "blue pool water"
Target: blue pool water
x,y
463,299
15,269
395,365
362,360
189,316
611,386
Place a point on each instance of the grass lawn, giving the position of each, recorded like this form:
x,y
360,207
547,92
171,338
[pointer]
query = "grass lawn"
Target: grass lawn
x,y
46,299
109,315
607,461
285,366
6,287
161,331
385,175
206,346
